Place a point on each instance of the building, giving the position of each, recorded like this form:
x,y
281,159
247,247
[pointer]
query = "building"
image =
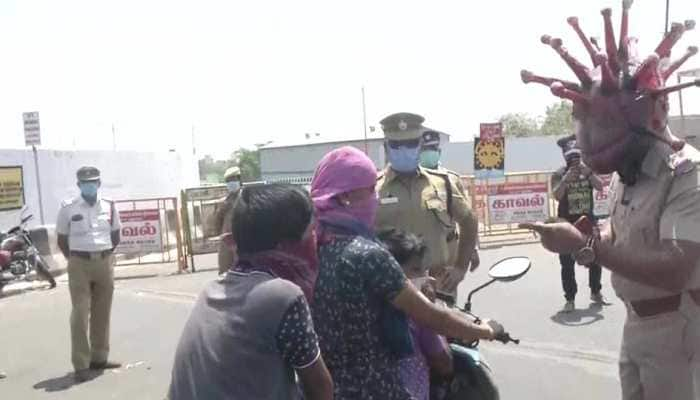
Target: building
x,y
686,127
295,162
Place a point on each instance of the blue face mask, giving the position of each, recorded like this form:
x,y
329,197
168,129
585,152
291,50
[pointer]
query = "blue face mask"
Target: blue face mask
x,y
404,159
429,158
88,189
233,186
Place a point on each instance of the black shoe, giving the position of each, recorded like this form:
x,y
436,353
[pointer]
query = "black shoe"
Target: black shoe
x,y
105,365
82,375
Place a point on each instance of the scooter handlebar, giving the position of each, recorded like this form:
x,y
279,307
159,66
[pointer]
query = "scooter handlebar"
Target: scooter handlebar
x,y
505,338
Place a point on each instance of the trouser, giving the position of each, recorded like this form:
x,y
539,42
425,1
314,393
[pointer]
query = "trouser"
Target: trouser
x,y
568,276
694,335
91,284
658,355
227,257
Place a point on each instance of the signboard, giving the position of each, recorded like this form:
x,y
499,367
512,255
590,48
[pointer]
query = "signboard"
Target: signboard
x,y
206,193
601,199
489,152
140,232
32,135
512,203
11,188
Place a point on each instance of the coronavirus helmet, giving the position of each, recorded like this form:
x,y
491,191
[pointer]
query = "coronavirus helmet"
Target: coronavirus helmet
x,y
623,99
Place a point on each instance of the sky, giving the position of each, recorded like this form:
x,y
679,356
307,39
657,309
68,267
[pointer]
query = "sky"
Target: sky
x,y
240,73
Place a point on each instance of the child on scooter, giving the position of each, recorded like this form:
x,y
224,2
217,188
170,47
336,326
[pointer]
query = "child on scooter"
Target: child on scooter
x,y
431,354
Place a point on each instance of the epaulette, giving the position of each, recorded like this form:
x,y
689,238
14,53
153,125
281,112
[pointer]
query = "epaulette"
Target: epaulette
x,y
67,202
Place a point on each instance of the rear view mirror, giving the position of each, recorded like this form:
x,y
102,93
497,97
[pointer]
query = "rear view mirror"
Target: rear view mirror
x,y
510,269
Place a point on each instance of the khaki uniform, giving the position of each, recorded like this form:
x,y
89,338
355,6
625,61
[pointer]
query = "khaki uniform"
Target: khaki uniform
x,y
90,275
223,219
418,204
457,187
659,354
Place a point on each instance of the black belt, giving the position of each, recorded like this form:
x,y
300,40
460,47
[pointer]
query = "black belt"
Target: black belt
x,y
91,255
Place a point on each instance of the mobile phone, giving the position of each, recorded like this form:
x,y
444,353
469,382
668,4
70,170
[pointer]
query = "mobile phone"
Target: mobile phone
x,y
584,225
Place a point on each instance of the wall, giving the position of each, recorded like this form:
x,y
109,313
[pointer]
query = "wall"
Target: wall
x,y
125,175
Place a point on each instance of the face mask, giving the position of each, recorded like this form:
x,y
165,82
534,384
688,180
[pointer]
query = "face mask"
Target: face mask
x,y
404,159
233,186
429,158
88,189
365,210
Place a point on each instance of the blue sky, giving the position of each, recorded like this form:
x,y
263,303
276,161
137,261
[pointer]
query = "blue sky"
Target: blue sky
x,y
254,71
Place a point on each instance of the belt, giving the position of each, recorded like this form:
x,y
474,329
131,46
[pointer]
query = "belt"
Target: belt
x,y
91,255
651,307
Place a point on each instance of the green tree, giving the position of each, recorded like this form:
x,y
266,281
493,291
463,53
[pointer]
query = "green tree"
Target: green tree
x,y
519,125
249,163
558,119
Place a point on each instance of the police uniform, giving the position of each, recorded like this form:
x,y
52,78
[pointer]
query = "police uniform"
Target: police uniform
x,y
418,202
661,340
432,138
88,228
223,219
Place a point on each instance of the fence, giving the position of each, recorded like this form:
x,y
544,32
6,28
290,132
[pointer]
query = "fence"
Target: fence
x,y
150,232
199,206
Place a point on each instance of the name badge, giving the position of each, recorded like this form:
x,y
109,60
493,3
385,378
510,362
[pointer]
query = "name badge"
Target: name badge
x,y
389,200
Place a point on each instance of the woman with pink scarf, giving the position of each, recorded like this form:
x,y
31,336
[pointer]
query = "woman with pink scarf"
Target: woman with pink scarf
x,y
362,297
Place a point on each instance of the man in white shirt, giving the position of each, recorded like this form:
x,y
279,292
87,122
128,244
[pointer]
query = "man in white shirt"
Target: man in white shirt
x,y
88,229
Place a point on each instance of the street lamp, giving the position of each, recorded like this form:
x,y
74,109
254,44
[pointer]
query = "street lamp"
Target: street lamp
x,y
691,73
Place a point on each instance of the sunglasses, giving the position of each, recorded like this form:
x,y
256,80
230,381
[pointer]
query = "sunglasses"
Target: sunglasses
x,y
411,143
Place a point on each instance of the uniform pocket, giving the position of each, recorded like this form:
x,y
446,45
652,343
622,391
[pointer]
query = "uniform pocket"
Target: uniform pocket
x,y
439,209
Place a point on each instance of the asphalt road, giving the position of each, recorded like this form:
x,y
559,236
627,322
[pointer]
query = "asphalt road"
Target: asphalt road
x,y
569,356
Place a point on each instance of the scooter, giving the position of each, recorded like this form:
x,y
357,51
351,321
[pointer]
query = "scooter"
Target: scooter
x,y
19,256
472,377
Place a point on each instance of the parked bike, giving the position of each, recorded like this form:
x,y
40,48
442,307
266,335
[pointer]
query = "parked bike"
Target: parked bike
x,y
472,377
19,256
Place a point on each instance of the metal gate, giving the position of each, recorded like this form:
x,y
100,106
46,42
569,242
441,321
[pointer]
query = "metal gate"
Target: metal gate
x,y
198,208
150,232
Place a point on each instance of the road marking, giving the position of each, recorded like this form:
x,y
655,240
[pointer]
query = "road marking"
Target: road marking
x,y
177,297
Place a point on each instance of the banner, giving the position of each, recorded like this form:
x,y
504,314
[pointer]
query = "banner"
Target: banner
x,y
11,188
601,199
489,152
512,203
140,232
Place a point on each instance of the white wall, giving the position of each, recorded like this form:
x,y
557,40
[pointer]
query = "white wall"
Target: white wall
x,y
125,175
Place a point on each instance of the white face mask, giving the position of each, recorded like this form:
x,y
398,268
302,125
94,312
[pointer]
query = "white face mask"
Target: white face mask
x,y
233,186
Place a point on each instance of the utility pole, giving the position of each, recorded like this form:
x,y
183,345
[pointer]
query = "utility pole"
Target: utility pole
x,y
364,120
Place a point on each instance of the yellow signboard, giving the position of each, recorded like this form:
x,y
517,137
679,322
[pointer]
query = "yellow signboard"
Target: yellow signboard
x,y
11,188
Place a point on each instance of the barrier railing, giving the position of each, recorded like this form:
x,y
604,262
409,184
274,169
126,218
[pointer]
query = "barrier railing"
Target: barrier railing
x,y
151,232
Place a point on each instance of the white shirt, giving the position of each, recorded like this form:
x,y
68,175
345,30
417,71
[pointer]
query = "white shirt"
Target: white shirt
x,y
88,227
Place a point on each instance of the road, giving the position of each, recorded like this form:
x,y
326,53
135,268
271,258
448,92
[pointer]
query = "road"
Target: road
x,y
560,357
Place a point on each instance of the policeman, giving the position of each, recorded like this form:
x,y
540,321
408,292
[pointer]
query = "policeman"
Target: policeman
x,y
422,201
88,229
430,159
652,246
223,218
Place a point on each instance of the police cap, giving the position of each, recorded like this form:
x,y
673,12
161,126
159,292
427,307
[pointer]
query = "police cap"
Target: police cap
x,y
403,126
85,174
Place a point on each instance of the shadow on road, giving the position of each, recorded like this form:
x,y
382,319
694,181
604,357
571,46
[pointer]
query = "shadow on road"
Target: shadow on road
x,y
63,382
579,317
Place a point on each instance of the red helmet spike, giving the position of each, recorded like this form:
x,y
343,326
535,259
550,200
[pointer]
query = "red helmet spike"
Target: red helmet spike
x,y
573,21
667,43
676,88
559,90
581,71
610,46
647,75
692,50
609,81
624,27
529,77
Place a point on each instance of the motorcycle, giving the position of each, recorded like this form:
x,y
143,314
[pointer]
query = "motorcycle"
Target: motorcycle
x,y
19,256
472,377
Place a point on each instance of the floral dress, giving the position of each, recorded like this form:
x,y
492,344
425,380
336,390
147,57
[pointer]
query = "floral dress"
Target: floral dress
x,y
356,278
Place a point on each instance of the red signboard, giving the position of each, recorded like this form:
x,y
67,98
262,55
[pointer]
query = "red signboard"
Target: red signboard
x,y
140,232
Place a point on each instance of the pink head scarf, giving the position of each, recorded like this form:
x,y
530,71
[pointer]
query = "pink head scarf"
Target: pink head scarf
x,y
340,171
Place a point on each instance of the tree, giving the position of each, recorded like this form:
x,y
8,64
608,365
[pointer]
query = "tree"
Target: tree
x,y
249,163
519,125
558,119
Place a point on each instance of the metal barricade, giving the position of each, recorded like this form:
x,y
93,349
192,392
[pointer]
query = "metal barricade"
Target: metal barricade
x,y
150,232
199,206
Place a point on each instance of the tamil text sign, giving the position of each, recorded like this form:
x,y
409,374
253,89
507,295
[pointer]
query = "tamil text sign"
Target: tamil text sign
x,y
140,232
32,134
518,202
11,188
601,198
